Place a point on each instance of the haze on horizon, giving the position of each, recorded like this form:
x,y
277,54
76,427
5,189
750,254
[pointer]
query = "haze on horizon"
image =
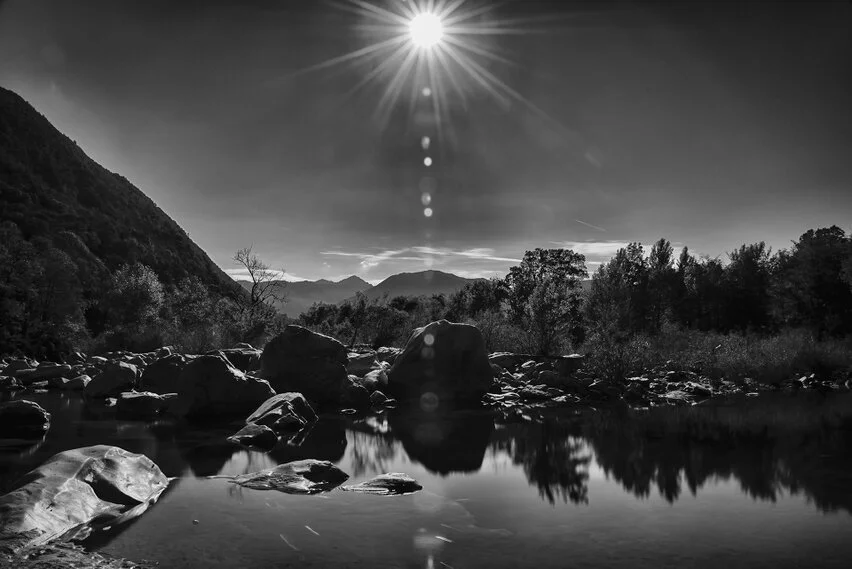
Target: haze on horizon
x,y
714,126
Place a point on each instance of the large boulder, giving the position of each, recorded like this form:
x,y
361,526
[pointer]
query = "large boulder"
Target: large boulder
x,y
114,379
21,419
312,364
75,488
442,362
285,412
162,375
210,385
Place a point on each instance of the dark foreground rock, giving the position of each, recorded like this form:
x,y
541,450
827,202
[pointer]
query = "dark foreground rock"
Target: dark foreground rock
x,y
210,386
21,419
306,362
299,477
390,484
442,362
74,489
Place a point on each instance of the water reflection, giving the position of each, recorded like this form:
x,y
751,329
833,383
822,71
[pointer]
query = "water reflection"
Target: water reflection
x,y
770,447
444,442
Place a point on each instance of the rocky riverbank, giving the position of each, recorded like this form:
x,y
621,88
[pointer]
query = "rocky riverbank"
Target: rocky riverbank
x,y
277,394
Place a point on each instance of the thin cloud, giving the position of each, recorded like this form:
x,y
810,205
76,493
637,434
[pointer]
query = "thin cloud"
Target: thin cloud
x,y
243,275
424,254
590,225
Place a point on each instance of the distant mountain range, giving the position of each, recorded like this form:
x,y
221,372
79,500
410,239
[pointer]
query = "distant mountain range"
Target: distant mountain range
x,y
301,295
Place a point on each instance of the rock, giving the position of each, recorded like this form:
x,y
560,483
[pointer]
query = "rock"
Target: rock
x,y
19,364
299,477
528,365
312,364
163,374
569,365
360,364
390,484
387,354
9,384
244,359
163,352
442,360
140,405
113,380
76,488
22,419
210,385
375,380
285,412
252,435
354,395
98,360
378,399
679,397
78,383
506,360
243,346
44,372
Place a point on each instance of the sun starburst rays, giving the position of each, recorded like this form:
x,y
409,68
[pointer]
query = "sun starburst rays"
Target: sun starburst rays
x,y
442,44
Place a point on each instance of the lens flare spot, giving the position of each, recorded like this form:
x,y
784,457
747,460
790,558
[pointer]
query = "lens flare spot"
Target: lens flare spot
x,y
426,198
425,142
427,92
428,212
429,339
429,402
427,161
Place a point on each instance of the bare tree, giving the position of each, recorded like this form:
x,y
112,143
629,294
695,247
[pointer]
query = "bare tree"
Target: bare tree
x,y
266,286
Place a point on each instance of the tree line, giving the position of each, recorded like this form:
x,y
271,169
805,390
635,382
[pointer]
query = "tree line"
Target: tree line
x,y
546,304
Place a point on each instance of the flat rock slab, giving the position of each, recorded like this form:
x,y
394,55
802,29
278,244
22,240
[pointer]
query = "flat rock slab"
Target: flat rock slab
x,y
390,484
76,488
298,477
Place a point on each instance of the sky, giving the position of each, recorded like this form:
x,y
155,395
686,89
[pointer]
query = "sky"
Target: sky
x,y
710,124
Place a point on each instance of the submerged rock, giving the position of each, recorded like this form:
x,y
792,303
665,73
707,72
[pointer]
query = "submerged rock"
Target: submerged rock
x,y
74,489
442,361
300,477
210,385
21,419
390,484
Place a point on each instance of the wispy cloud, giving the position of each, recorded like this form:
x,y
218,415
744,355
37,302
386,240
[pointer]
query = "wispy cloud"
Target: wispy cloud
x,y
243,275
427,255
590,225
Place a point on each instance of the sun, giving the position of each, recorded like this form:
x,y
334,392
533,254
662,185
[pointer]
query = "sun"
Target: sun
x,y
426,30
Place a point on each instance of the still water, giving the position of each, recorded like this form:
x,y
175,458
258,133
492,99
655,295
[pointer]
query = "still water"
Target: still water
x,y
752,483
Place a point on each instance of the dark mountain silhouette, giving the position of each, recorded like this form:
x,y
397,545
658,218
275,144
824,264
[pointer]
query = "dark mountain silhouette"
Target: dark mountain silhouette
x,y
52,191
301,295
425,283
